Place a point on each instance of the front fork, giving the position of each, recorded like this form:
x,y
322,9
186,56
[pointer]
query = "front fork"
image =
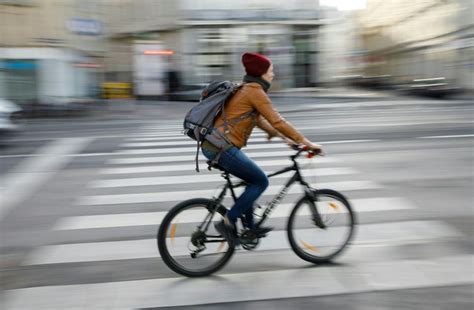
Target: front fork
x,y
316,216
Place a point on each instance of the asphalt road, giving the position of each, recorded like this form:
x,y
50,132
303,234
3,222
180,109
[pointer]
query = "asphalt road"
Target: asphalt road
x,y
80,195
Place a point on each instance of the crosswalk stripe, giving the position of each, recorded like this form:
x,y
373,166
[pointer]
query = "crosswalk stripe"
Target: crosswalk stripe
x,y
446,137
156,133
182,195
249,286
369,234
190,167
251,144
173,143
175,133
162,126
155,218
192,148
187,179
178,137
177,158
28,176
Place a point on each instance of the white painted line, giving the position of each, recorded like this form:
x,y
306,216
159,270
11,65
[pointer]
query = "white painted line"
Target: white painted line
x,y
348,141
20,155
446,137
23,181
380,233
192,149
252,140
189,179
155,218
190,158
92,154
164,125
171,134
67,155
182,195
174,143
178,137
405,123
176,133
248,286
191,167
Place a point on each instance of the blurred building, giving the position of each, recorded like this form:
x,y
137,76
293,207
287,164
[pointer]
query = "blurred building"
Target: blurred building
x,y
339,48
420,39
203,40
51,51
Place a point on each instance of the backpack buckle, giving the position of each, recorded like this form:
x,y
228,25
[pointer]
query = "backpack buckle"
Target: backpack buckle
x,y
203,131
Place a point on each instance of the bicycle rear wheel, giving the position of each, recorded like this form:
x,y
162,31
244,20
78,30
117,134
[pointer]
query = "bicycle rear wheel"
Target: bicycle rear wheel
x,y
315,244
188,242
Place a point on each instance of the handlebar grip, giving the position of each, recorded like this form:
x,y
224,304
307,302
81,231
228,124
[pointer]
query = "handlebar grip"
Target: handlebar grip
x,y
304,148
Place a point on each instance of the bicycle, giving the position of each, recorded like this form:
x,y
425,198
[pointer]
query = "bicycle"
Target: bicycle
x,y
200,250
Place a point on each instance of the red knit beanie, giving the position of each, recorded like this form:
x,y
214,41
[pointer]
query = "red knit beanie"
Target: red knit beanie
x,y
255,64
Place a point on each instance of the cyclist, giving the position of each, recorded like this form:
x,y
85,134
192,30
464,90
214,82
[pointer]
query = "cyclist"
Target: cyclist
x,y
252,96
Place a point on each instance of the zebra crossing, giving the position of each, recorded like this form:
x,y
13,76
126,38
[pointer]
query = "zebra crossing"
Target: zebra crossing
x,y
152,170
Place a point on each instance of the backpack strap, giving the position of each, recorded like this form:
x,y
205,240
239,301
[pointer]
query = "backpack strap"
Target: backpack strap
x,y
224,116
198,147
215,161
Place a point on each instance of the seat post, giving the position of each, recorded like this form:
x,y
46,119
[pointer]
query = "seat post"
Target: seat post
x,y
225,175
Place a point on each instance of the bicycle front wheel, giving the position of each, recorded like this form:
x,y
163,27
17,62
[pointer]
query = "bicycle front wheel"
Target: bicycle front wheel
x,y
321,244
188,242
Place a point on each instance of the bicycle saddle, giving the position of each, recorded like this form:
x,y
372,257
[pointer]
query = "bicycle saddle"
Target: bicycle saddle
x,y
211,165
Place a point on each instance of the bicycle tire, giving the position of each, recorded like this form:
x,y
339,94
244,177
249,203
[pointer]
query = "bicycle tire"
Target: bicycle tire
x,y
162,244
291,221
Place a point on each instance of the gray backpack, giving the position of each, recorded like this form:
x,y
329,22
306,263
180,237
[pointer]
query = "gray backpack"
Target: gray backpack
x,y
199,121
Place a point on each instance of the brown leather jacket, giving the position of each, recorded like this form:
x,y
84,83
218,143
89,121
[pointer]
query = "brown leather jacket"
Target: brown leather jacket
x,y
251,97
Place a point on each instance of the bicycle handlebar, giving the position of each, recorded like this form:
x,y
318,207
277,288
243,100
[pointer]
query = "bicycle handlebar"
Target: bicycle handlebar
x,y
303,148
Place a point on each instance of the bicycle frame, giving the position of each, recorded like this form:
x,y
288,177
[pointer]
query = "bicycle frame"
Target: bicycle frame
x,y
295,178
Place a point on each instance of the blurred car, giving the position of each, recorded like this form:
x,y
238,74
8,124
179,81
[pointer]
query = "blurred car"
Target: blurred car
x,y
10,117
381,82
438,87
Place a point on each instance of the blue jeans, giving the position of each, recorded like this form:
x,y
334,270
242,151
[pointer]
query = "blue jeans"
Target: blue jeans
x,y
238,164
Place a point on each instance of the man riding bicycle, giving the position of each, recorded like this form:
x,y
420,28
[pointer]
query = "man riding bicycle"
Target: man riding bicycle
x,y
251,97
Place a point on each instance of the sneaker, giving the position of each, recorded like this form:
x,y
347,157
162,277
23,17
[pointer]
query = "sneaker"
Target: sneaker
x,y
262,231
226,230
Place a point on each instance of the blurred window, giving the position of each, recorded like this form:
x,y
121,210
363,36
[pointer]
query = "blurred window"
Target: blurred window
x,y
21,80
213,59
